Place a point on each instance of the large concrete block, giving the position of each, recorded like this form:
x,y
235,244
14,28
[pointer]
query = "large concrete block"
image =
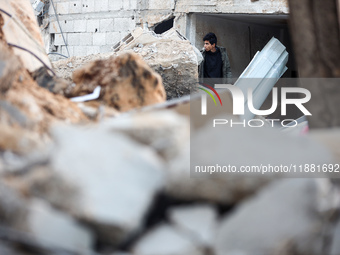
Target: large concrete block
x,y
58,40
106,25
67,26
57,228
88,6
130,5
101,6
75,7
124,24
112,38
54,27
115,5
161,4
86,39
99,39
73,39
63,8
116,179
79,51
92,25
92,50
79,26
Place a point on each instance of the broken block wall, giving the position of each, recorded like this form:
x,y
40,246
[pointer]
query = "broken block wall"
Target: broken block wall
x,y
94,26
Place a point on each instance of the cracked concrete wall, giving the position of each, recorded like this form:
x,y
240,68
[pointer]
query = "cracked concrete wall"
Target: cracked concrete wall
x,y
94,26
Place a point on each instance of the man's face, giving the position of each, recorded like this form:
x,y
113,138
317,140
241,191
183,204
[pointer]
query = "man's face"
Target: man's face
x,y
208,46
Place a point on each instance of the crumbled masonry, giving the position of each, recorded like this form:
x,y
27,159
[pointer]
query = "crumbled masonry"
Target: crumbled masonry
x,y
112,175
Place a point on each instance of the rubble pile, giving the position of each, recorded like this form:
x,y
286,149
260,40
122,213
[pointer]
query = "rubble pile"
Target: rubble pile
x,y
126,194
126,81
170,55
122,185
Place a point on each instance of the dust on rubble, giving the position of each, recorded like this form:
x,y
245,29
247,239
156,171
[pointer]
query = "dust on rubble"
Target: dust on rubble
x,y
127,82
41,107
65,67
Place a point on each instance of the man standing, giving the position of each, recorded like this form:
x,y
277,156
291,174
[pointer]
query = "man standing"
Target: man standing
x,y
216,62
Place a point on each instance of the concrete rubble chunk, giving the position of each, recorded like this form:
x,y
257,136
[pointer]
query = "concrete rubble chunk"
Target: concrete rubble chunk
x,y
335,247
165,131
223,190
260,146
115,180
13,208
283,217
199,221
57,228
166,240
22,29
169,54
127,82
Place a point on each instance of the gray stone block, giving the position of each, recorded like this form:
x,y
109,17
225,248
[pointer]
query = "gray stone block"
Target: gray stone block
x,y
79,51
92,25
62,8
115,5
116,178
58,40
106,25
113,38
200,221
124,24
86,39
67,26
73,39
88,6
79,26
165,240
99,39
75,7
101,6
57,229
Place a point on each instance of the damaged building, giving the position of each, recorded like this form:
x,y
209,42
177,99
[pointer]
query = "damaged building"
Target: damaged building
x,y
109,145
243,26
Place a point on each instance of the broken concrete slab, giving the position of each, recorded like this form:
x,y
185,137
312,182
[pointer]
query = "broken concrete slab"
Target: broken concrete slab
x,y
329,138
283,217
57,229
335,246
197,221
169,54
165,240
115,180
127,82
238,147
13,208
165,131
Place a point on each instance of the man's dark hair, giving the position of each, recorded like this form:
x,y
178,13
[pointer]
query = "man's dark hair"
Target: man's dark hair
x,y
211,37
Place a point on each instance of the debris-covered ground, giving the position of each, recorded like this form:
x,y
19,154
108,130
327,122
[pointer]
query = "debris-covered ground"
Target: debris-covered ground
x,y
170,55
112,175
